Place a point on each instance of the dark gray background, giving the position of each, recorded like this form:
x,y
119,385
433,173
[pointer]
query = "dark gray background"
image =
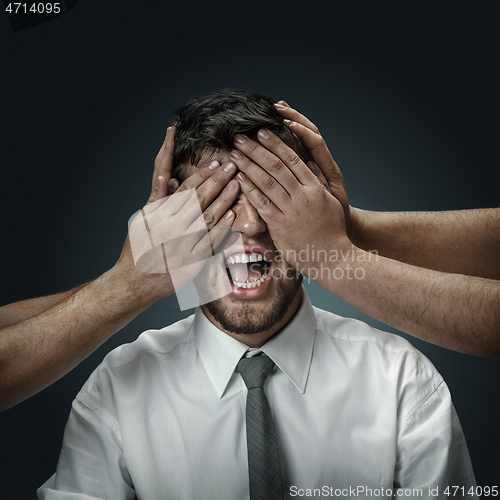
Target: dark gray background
x,y
405,93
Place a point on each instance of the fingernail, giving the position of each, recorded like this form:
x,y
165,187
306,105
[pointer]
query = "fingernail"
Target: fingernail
x,y
283,103
241,177
240,139
236,154
263,134
213,165
157,185
287,122
279,106
229,168
173,185
229,215
232,185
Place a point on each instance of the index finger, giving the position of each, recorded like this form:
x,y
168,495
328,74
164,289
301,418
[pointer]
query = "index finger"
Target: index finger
x,y
295,116
187,189
273,144
307,133
201,175
324,160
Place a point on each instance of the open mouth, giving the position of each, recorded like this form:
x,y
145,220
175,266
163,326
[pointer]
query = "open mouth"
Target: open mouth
x,y
247,270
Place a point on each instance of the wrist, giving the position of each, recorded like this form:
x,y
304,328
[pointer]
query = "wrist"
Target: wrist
x,y
141,289
358,227
345,263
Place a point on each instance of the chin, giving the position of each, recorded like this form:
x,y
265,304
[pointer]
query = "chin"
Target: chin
x,y
255,315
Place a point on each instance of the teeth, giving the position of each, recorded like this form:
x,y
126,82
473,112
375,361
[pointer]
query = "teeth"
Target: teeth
x,y
251,284
243,258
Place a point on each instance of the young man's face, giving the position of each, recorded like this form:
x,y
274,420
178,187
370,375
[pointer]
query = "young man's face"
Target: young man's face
x,y
265,290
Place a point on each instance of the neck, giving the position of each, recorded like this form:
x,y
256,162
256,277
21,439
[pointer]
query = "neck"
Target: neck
x,y
260,338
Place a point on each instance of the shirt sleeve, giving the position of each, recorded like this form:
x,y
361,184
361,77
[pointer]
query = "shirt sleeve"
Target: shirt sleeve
x,y
432,453
91,464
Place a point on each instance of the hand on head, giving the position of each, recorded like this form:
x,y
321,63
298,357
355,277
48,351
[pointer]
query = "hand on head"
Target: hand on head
x,y
299,212
174,235
324,166
284,193
287,195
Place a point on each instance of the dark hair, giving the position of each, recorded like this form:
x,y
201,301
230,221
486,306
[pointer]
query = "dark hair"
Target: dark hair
x,y
212,121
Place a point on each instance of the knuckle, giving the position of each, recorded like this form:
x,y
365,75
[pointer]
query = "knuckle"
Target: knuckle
x,y
277,166
293,159
264,202
203,174
252,147
270,183
198,198
215,179
208,218
223,198
320,187
206,241
250,189
226,196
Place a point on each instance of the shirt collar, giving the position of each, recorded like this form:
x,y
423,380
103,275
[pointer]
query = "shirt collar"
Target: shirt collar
x,y
291,349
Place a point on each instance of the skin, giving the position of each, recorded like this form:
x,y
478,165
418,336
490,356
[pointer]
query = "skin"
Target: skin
x,y
460,241
244,314
42,339
446,308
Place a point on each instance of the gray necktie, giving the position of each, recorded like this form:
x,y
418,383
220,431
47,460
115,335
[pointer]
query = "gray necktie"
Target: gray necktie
x,y
264,466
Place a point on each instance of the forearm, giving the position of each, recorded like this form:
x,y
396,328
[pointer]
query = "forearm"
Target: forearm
x,y
454,311
38,351
11,314
462,241
42,339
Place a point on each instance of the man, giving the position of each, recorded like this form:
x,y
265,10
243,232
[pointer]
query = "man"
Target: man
x,y
343,409
42,339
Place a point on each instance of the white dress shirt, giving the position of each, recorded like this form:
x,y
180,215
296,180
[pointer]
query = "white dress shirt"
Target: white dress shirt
x,y
354,407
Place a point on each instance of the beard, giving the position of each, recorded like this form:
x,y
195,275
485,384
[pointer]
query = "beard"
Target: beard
x,y
249,318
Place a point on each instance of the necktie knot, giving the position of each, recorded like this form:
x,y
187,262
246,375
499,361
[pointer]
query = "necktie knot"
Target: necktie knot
x,y
255,370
